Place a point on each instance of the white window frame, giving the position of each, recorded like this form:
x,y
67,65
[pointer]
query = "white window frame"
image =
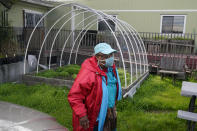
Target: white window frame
x,y
98,18
184,26
31,11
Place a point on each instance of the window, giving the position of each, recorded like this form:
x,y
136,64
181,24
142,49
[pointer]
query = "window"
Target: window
x,y
4,18
173,24
53,60
32,18
102,26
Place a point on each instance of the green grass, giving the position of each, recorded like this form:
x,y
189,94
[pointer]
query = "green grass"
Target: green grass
x,y
154,106
122,77
160,95
71,71
2,56
66,72
193,76
44,98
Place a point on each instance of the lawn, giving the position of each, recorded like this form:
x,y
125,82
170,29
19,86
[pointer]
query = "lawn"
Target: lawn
x,y
154,106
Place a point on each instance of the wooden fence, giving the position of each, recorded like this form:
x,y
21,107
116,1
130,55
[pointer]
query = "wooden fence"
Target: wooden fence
x,y
157,45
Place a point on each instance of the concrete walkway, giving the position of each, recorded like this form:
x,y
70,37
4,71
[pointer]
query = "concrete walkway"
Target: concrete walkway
x,y
18,118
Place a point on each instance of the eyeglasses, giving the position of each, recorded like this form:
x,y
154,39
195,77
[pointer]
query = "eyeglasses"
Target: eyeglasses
x,y
104,56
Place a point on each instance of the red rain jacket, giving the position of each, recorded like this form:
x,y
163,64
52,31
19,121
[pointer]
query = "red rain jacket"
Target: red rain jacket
x,y
85,96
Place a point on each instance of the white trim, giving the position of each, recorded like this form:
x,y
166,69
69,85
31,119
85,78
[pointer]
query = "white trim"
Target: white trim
x,y
184,29
184,26
97,23
116,16
33,11
38,3
59,0
73,18
161,20
83,19
73,8
183,10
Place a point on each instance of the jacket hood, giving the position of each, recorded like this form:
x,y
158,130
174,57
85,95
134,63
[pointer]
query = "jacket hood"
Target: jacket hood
x,y
92,65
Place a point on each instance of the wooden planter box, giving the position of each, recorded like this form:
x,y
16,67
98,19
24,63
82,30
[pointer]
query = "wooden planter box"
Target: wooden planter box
x,y
11,72
30,79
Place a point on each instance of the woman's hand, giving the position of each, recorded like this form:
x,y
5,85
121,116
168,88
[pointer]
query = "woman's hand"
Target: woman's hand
x,y
84,122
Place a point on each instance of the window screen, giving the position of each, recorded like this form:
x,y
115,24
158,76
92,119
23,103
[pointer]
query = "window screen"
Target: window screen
x,y
31,19
173,24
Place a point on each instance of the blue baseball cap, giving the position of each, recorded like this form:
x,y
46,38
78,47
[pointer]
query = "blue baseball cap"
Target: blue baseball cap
x,y
103,48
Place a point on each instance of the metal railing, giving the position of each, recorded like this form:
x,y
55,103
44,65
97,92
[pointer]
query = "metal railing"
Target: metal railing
x,y
160,45
157,44
169,43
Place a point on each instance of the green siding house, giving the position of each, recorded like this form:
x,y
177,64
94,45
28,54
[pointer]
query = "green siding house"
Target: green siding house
x,y
24,13
166,19
177,16
157,16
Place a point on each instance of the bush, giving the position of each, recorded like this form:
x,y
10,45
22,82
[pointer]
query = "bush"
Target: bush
x,y
63,74
8,46
74,76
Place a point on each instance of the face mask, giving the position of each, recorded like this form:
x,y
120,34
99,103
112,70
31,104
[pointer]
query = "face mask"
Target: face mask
x,y
109,61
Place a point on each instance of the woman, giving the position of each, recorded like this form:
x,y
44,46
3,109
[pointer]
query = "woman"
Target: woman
x,y
95,92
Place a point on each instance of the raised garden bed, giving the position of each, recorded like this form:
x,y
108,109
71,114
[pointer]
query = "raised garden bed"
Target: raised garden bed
x,y
11,72
61,76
